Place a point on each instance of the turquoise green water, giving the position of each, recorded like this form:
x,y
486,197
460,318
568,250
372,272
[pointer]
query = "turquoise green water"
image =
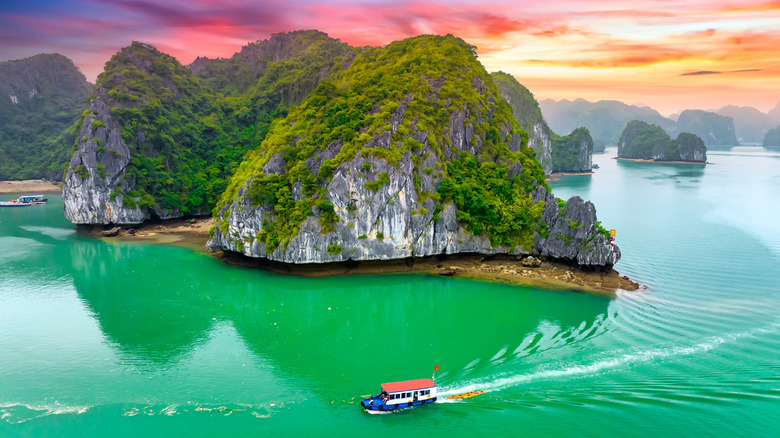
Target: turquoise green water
x,y
125,339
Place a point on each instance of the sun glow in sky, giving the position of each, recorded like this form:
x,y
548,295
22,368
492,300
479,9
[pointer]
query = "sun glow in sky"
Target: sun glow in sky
x,y
668,54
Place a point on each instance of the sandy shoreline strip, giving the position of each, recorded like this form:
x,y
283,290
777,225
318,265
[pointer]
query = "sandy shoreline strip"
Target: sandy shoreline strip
x,y
30,187
194,232
557,174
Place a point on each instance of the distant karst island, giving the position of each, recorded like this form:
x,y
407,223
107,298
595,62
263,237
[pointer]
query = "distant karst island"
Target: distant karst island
x,y
644,141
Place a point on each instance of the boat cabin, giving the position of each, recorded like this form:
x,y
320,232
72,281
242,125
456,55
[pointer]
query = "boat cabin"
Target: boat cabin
x,y
396,395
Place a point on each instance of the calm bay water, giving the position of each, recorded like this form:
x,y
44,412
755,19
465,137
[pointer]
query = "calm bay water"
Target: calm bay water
x,y
126,339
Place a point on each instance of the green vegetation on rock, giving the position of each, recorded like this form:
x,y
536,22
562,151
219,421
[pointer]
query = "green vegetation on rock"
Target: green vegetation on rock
x,y
186,134
642,140
490,202
41,98
573,152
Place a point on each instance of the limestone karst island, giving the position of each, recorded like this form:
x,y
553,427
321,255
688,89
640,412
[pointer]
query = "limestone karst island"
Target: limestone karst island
x,y
333,154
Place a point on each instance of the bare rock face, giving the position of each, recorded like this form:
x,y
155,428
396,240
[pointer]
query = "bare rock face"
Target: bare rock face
x,y
570,233
93,188
95,184
382,225
389,223
539,140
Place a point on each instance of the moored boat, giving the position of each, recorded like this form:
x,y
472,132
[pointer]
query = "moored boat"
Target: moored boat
x,y
405,394
15,203
25,201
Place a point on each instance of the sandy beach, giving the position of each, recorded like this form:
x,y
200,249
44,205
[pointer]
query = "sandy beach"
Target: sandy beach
x,y
30,187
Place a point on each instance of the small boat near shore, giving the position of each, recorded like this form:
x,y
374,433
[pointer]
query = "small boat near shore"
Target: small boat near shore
x,y
405,394
25,201
33,199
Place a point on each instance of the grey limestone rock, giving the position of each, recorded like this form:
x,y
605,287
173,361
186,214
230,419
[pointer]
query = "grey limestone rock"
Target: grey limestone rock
x,y
96,172
571,233
95,184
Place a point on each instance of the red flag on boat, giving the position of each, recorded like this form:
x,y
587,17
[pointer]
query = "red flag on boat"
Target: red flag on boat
x,y
436,368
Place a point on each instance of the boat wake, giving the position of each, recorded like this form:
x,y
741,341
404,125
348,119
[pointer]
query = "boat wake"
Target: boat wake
x,y
614,362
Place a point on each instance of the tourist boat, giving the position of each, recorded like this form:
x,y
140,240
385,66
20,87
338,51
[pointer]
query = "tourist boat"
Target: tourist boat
x,y
398,395
25,201
33,199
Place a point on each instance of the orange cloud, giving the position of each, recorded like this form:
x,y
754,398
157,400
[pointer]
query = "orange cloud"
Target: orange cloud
x,y
623,50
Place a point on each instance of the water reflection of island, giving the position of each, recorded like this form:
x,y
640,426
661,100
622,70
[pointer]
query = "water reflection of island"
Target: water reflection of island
x,y
157,304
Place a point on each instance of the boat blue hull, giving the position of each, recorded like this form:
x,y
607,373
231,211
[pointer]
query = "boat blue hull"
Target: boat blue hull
x,y
383,407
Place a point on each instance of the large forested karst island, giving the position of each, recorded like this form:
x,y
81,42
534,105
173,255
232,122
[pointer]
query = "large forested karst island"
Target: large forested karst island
x,y
308,150
645,141
41,98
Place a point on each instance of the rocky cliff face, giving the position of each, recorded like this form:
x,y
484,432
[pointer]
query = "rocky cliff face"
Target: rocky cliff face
x,y
94,186
528,115
401,188
571,232
750,124
385,225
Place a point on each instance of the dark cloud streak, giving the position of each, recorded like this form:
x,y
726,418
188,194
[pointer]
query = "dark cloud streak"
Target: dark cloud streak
x,y
710,72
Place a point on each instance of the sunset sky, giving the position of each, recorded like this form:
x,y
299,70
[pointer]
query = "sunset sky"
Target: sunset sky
x,y
668,54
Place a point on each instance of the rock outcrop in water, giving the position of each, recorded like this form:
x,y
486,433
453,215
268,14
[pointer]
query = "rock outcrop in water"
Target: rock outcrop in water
x,y
413,154
641,140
